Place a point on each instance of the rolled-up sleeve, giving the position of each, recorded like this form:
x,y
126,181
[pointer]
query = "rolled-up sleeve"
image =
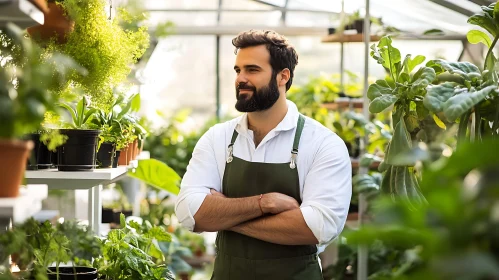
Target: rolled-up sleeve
x,y
328,190
201,176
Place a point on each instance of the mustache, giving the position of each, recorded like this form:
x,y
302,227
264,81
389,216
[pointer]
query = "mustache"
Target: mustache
x,y
241,86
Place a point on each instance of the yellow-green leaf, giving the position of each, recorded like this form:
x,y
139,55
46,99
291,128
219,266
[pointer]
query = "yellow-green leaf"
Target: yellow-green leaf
x,y
477,36
439,122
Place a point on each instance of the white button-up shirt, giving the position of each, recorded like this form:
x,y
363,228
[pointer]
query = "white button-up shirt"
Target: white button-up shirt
x,y
323,163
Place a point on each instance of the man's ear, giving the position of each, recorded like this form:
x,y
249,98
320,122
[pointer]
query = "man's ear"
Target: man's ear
x,y
283,77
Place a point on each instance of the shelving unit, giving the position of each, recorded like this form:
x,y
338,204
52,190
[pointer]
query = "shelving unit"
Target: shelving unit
x,y
345,103
27,204
92,181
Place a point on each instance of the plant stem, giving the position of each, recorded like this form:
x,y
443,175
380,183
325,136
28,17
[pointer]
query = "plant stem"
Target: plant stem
x,y
478,122
495,126
490,51
463,126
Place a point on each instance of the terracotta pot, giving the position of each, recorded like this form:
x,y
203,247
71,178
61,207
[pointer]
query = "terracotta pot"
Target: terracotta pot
x,y
135,146
13,155
57,25
123,160
129,152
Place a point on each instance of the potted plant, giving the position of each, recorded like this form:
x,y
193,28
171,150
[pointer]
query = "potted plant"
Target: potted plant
x,y
132,252
35,247
101,45
79,151
25,79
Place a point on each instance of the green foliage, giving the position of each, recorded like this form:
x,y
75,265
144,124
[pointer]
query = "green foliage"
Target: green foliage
x,y
102,46
349,125
173,146
455,234
81,114
133,253
157,174
52,139
25,80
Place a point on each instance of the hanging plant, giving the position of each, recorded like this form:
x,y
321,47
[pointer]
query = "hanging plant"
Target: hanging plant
x,y
102,46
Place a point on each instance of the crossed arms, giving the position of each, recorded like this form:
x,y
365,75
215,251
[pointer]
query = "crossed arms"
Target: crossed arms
x,y
285,225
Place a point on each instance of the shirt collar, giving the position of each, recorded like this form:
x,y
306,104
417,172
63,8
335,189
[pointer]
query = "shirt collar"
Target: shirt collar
x,y
288,123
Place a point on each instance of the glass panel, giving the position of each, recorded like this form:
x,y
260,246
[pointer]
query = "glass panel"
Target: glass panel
x,y
180,74
244,5
305,19
184,18
279,3
271,18
183,4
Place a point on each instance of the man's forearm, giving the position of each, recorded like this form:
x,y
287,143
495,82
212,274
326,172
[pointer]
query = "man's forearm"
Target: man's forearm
x,y
219,213
286,228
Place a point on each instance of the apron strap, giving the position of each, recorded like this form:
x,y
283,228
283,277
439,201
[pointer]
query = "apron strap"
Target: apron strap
x,y
230,149
296,143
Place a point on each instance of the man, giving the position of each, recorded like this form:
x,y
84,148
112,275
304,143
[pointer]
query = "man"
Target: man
x,y
275,185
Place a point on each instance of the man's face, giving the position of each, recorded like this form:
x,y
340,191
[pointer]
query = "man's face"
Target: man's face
x,y
256,84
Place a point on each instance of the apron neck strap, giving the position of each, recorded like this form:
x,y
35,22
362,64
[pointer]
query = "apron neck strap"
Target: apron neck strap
x,y
299,129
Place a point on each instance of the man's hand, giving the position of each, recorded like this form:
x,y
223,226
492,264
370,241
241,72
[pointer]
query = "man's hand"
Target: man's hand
x,y
276,203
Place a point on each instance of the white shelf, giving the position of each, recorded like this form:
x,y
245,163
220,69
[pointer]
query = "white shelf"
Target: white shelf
x,y
27,204
73,180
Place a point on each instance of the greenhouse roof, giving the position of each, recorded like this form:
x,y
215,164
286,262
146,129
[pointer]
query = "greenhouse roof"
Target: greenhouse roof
x,y
300,17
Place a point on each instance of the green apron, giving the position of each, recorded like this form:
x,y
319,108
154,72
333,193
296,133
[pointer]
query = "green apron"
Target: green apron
x,y
240,257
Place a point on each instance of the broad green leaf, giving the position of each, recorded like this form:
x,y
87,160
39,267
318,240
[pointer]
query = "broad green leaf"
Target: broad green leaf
x,y
411,156
88,114
485,22
400,143
437,95
135,103
459,104
378,89
159,233
464,69
125,110
433,32
404,78
71,111
422,78
367,159
496,14
80,109
421,110
387,55
439,122
364,183
122,220
156,174
380,103
410,64
477,36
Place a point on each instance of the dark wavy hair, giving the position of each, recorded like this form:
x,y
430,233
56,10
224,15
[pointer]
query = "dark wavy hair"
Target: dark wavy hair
x,y
282,54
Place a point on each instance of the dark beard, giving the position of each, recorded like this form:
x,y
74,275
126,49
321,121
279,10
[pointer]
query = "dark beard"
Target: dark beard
x,y
261,100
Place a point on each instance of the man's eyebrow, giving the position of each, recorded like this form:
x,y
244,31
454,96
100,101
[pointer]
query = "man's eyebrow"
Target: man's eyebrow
x,y
248,66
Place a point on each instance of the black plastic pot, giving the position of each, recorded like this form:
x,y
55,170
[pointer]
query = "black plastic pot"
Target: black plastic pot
x,y
359,25
331,30
68,273
107,215
355,153
105,155
116,158
117,213
40,157
79,151
54,158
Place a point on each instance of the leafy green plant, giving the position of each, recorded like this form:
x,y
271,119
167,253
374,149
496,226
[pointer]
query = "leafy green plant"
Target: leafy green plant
x,y
81,114
464,89
35,247
157,174
102,46
132,253
25,80
456,233
405,90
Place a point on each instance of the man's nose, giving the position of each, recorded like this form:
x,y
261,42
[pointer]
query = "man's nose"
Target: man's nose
x,y
241,78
